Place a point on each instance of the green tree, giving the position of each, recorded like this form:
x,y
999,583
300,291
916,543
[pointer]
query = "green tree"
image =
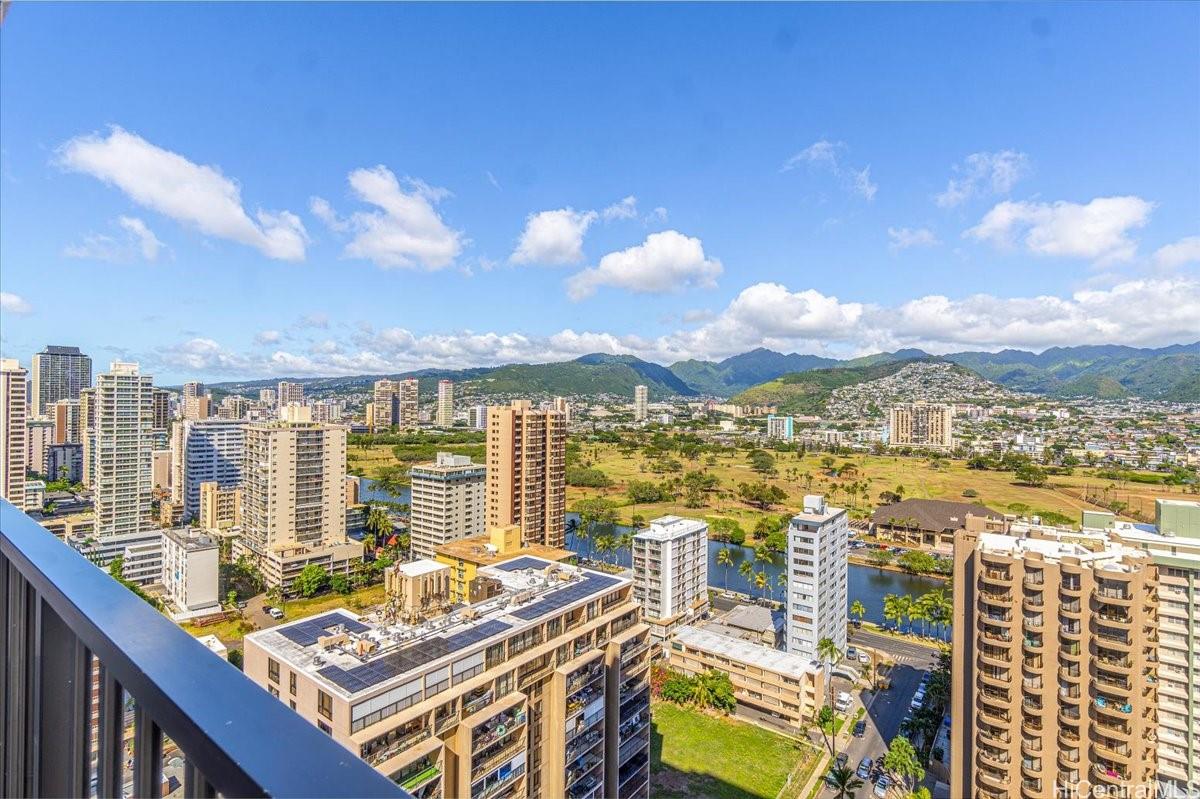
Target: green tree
x,y
746,569
311,579
879,557
917,562
857,609
339,583
828,651
725,558
235,657
901,761
762,495
844,782
379,523
1031,475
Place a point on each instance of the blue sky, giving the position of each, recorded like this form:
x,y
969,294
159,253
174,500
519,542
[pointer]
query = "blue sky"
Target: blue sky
x,y
233,190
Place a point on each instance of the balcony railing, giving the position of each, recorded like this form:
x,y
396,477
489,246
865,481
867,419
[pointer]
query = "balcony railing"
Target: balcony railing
x,y
75,643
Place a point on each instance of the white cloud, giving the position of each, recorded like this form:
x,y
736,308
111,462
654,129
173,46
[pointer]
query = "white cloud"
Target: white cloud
x,y
666,261
316,319
135,241
492,180
903,238
407,231
624,209
196,195
1098,230
1184,251
659,214
1151,312
268,337
553,237
983,174
827,154
14,303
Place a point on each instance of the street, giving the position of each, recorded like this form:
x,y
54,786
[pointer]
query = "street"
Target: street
x,y
886,710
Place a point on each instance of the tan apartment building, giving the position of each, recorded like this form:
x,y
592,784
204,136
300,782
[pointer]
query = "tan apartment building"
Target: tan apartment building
x,y
1054,687
466,556
526,472
385,405
294,500
447,502
87,420
67,427
410,409
541,691
220,508
288,392
786,686
921,424
445,404
13,448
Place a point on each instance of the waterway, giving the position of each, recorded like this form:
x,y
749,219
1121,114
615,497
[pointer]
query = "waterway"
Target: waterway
x,y
370,491
867,584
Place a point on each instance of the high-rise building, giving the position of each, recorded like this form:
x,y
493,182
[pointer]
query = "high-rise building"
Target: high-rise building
x,y
208,451
196,402
161,400
445,404
163,473
410,407
780,427
67,427
563,406
1072,671
87,419
190,574
57,373
641,403
220,508
526,472
818,544
477,417
327,410
39,436
670,573
289,393
921,424
65,462
447,502
13,448
386,405
234,406
1108,613
267,396
540,691
123,473
294,500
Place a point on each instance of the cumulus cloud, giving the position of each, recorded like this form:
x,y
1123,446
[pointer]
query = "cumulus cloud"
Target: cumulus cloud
x,y
1099,230
134,241
553,238
981,174
268,337
902,238
664,262
1150,312
1184,251
14,303
405,232
826,154
196,195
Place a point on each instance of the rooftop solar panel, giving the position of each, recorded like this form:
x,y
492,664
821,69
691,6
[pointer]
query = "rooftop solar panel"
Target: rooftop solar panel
x,y
523,562
307,632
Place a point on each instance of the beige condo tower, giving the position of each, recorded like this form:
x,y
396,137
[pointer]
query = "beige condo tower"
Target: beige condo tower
x,y
526,472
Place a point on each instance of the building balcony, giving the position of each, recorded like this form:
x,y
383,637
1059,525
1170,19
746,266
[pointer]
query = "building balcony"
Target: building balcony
x,y
1031,747
79,643
1113,596
989,779
995,619
995,580
1111,774
994,658
1067,738
998,679
1113,750
993,737
998,759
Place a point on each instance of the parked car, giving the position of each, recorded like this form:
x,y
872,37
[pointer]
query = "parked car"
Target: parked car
x,y
863,657
864,768
851,653
842,759
275,613
881,787
860,728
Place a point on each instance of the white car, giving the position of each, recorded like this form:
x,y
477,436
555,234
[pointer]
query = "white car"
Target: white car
x,y
275,613
863,657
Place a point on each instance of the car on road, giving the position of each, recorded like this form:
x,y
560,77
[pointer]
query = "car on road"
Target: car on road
x,y
864,768
842,759
881,787
274,613
863,657
860,729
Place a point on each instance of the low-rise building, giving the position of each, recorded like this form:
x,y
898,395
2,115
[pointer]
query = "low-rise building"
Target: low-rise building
x,y
467,556
788,687
190,574
220,508
928,524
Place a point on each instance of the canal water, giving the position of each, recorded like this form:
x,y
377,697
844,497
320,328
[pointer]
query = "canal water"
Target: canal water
x,y
867,584
370,491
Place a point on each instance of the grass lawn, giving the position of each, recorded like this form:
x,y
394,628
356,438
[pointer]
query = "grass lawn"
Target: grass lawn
x,y
800,475
373,460
697,756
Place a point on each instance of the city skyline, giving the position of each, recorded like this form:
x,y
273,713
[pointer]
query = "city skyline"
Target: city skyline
x,y
663,201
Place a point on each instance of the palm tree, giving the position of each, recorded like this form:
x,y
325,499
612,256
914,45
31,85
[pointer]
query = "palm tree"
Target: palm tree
x,y
828,651
857,609
891,609
904,608
762,582
746,568
782,580
919,612
625,541
844,782
725,558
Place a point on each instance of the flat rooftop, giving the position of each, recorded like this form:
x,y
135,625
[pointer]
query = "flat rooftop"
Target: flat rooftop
x,y
1090,547
747,652
666,528
478,550
533,590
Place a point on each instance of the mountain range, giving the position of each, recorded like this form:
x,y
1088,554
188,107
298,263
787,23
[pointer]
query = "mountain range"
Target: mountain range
x,y
1109,371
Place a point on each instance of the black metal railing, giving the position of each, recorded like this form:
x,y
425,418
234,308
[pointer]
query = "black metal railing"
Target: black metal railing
x,y
96,682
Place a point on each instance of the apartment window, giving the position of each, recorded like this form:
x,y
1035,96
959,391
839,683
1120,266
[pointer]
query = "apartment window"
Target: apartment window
x,y
325,704
292,683
274,691
273,670
292,704
325,728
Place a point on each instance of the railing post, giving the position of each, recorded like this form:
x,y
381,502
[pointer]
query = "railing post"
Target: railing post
x,y
63,718
110,755
147,756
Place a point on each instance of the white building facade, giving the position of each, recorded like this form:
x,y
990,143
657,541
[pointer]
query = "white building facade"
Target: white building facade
x,y
818,543
447,502
189,574
670,572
